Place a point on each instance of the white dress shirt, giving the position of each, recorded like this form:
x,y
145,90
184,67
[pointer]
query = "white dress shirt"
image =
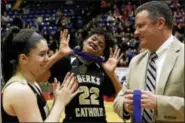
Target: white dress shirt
x,y
162,53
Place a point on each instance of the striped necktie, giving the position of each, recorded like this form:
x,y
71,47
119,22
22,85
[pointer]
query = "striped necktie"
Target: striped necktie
x,y
150,85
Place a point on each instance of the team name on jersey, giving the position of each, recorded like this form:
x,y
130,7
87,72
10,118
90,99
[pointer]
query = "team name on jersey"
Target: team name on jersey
x,y
89,112
88,79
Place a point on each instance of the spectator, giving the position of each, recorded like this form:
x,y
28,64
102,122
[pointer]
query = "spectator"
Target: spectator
x,y
5,19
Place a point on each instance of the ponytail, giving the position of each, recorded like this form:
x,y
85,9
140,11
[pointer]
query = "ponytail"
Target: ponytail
x,y
9,62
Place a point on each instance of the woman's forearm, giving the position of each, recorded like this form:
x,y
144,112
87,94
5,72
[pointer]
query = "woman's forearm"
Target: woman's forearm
x,y
53,59
56,111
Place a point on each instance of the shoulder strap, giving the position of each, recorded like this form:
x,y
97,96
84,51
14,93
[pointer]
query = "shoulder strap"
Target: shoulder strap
x,y
37,91
7,84
18,77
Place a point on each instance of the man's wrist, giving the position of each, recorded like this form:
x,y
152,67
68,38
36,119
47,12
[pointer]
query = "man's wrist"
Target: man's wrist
x,y
126,115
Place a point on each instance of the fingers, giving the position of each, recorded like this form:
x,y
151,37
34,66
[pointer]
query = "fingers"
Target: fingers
x,y
64,34
72,82
128,101
129,91
144,106
144,96
115,52
54,85
129,108
61,34
147,93
68,38
67,75
76,92
68,80
120,57
111,52
58,84
74,87
129,96
144,103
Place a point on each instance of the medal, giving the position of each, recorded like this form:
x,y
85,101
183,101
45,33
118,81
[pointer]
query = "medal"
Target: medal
x,y
88,57
83,69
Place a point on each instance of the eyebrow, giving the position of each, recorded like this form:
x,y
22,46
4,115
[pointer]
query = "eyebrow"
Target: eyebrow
x,y
44,51
98,39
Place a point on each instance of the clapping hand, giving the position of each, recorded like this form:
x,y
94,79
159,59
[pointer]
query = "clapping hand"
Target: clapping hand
x,y
65,92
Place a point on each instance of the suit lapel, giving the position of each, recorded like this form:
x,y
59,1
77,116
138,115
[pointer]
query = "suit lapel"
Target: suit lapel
x,y
167,67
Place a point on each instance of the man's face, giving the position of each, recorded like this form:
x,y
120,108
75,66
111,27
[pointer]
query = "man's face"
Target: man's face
x,y
146,30
94,45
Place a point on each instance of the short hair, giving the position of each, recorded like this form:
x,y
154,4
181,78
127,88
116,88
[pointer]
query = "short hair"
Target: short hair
x,y
157,9
15,42
99,31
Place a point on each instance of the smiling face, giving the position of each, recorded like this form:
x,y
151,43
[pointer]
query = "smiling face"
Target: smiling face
x,y
94,45
37,58
146,30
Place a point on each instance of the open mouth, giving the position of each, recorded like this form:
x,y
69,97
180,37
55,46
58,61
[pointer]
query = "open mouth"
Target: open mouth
x,y
140,38
92,46
43,66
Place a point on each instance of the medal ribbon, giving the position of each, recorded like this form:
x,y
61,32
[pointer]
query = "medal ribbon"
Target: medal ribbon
x,y
137,118
87,56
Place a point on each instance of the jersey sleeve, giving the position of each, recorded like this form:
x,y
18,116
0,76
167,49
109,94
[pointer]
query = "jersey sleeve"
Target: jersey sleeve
x,y
60,69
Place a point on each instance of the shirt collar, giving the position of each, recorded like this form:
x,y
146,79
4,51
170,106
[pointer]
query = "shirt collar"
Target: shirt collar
x,y
166,45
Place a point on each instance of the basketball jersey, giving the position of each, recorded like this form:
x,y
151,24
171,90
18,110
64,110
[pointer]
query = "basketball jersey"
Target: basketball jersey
x,y
88,104
42,105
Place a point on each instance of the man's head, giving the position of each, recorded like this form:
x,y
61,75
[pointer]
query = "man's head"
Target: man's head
x,y
96,43
153,24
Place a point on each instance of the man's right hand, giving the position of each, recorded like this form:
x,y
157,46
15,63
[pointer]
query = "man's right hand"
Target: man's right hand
x,y
128,101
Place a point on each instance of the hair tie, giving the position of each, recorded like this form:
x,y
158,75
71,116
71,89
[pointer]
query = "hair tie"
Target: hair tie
x,y
13,61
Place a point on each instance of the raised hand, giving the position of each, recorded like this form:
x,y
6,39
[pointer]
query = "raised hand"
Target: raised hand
x,y
114,57
65,92
64,48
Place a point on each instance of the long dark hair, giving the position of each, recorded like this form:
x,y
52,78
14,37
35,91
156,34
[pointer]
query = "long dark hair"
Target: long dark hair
x,y
14,43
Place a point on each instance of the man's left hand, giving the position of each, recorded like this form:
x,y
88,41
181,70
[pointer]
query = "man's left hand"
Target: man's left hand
x,y
148,100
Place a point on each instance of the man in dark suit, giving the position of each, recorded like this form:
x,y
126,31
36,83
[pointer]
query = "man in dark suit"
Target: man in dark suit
x,y
158,71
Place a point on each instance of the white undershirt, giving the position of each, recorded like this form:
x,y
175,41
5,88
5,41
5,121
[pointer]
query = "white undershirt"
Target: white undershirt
x,y
162,53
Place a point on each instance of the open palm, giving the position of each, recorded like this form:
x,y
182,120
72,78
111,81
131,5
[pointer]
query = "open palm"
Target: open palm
x,y
114,57
64,48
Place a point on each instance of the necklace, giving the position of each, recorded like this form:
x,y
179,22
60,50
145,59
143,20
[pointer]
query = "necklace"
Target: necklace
x,y
86,59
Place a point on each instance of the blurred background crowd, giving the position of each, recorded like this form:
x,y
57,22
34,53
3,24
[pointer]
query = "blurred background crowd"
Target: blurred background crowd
x,y
116,17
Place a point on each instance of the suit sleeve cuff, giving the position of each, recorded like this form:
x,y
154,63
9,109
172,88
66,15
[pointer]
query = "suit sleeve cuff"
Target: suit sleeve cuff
x,y
126,115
